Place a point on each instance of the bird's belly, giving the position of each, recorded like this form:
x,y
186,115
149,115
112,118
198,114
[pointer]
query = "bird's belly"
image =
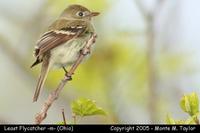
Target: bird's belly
x,y
66,54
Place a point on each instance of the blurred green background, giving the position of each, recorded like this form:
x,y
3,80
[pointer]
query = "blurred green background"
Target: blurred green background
x,y
146,57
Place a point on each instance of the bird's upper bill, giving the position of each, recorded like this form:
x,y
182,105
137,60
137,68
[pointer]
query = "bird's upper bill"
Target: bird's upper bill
x,y
93,14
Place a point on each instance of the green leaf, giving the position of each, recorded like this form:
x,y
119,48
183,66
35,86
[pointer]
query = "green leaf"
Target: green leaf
x,y
86,107
190,104
170,120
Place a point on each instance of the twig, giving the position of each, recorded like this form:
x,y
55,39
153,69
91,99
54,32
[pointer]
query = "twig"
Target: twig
x,y
74,118
55,94
63,115
197,120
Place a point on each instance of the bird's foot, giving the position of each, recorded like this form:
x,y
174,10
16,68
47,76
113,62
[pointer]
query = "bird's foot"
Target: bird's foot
x,y
85,51
69,77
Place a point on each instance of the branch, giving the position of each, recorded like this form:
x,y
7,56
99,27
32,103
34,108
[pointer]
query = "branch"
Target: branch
x,y
55,94
148,16
142,9
158,7
63,115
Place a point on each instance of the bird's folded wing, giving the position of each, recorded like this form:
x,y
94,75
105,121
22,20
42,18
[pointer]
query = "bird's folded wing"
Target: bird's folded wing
x,y
61,33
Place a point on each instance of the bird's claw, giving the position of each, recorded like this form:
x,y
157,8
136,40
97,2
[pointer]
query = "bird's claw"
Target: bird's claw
x,y
69,77
86,52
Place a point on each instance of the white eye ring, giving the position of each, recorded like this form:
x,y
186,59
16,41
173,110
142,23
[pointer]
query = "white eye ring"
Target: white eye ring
x,y
80,14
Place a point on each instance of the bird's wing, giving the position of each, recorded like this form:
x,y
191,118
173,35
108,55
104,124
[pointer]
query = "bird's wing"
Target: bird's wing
x,y
59,32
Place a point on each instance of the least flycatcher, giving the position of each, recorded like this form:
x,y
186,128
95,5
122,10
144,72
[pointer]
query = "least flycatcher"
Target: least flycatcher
x,y
60,46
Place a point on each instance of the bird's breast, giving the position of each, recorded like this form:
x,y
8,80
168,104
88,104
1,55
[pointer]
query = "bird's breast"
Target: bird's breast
x,y
66,54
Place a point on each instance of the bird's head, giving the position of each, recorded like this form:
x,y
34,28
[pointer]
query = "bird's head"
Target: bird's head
x,y
78,12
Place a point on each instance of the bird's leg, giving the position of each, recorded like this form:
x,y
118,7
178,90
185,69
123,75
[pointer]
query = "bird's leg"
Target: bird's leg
x,y
66,74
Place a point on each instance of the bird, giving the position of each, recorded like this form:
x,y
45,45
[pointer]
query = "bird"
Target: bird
x,y
60,45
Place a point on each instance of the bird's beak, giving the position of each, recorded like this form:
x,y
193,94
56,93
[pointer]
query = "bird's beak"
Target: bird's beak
x,y
93,14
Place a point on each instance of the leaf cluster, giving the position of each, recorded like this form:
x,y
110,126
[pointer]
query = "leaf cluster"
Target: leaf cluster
x,y
189,104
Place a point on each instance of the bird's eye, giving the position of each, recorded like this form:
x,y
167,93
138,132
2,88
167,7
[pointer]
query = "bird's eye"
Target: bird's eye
x,y
80,14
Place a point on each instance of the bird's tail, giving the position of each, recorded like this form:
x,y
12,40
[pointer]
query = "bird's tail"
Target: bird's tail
x,y
41,79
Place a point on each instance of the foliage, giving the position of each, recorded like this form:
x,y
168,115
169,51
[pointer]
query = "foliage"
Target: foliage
x,y
189,104
86,107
